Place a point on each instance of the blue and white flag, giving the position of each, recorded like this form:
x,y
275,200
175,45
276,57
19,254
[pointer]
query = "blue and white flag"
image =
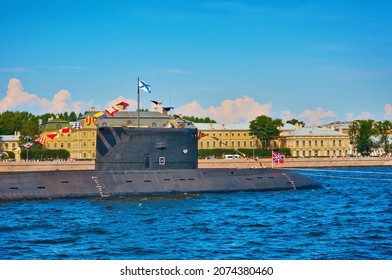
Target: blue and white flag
x,y
28,145
144,86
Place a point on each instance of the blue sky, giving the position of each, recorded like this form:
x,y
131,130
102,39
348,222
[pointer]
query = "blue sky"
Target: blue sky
x,y
317,61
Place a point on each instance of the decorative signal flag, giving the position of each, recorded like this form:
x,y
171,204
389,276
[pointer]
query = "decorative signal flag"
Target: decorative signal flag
x,y
122,105
89,120
52,135
111,111
277,157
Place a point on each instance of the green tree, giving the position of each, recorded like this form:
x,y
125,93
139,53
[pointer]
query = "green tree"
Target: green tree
x,y
265,129
295,121
382,129
364,130
73,117
198,120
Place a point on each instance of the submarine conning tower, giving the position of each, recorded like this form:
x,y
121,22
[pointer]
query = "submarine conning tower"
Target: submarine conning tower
x,y
128,148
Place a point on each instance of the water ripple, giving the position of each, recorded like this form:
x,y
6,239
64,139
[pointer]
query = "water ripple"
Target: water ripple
x,y
348,219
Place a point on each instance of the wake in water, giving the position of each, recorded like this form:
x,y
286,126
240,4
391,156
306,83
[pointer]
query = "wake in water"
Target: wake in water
x,y
351,174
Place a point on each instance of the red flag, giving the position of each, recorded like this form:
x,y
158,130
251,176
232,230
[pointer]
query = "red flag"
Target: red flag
x,y
111,111
65,130
89,120
277,157
41,140
52,135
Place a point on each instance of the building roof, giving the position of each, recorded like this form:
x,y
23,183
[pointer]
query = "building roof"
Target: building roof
x,y
287,126
55,124
9,138
315,131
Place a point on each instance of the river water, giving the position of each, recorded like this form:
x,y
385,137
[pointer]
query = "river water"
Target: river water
x,y
350,218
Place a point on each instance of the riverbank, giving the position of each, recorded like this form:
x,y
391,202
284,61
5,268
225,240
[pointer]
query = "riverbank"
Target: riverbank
x,y
210,163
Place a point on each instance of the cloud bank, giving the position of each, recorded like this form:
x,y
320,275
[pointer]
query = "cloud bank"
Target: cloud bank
x,y
17,97
388,112
240,110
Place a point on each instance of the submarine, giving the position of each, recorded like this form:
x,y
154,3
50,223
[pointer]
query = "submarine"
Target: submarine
x,y
133,161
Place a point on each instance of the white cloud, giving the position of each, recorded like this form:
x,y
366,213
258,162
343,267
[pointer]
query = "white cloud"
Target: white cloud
x,y
388,111
132,103
317,117
19,99
287,115
240,110
363,116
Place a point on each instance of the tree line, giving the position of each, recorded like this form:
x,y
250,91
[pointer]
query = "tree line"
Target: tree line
x,y
366,135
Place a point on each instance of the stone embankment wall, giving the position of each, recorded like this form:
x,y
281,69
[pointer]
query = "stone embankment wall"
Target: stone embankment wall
x,y
213,163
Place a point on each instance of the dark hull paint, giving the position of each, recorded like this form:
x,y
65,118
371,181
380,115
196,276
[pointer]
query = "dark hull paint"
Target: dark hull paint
x,y
102,184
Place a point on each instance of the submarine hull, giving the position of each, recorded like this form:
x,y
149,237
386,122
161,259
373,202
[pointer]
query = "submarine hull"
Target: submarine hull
x,y
102,184
145,161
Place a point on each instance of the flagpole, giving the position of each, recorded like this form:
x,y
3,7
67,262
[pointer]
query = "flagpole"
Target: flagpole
x,y
138,103
272,159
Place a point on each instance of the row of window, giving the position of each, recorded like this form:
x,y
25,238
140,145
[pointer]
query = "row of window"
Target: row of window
x,y
316,143
68,145
9,146
316,153
225,144
227,134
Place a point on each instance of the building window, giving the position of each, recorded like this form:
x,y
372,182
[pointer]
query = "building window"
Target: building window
x,y
93,144
303,143
154,124
322,143
232,143
251,143
208,144
340,142
297,153
315,142
239,144
201,144
244,143
310,143
333,142
213,144
84,144
297,143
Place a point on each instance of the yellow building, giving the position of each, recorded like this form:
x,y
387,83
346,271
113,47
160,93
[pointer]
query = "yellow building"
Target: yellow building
x,y
9,142
302,142
225,136
317,142
80,141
